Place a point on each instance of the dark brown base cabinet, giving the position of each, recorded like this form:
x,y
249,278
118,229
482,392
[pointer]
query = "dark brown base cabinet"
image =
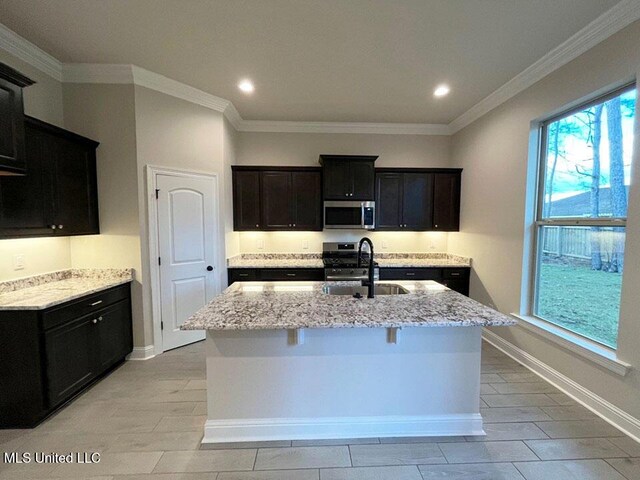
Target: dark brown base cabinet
x,y
49,356
58,196
274,274
456,278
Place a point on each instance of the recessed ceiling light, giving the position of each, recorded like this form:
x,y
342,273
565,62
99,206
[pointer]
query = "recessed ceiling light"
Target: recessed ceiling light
x,y
441,90
246,86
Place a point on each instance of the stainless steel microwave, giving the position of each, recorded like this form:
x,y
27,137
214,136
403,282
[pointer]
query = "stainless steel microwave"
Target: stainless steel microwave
x,y
350,214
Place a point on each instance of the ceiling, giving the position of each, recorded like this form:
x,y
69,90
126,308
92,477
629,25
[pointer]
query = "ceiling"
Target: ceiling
x,y
314,60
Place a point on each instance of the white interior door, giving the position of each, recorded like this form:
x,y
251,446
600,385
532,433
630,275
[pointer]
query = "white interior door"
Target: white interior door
x,y
187,236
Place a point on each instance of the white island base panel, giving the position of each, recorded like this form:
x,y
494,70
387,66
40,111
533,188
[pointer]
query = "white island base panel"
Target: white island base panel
x,y
342,383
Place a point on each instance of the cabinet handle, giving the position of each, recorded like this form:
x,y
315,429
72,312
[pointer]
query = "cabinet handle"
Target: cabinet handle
x,y
96,303
455,274
436,225
94,321
257,225
60,227
53,227
99,319
410,274
291,274
243,274
294,224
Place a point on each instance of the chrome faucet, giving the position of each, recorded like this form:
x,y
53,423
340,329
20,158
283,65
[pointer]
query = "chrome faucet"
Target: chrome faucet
x,y
369,283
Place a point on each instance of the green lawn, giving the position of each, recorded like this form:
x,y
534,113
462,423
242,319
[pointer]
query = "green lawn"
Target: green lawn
x,y
580,299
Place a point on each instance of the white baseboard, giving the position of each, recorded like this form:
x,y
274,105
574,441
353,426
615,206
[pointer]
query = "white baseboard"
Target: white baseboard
x,y
142,353
598,405
252,430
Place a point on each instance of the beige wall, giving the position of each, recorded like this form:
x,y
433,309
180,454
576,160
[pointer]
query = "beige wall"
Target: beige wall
x,y
42,100
106,114
494,154
305,148
229,151
177,134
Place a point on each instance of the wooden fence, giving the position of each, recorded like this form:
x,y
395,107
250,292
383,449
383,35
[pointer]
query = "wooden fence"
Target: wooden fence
x,y
567,241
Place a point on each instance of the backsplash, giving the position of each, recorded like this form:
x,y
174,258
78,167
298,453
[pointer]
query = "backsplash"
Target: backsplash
x,y
34,281
311,242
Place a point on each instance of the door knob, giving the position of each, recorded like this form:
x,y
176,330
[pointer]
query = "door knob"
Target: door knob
x,y
94,321
209,268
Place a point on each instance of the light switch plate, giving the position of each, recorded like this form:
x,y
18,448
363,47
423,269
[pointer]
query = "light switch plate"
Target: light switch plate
x,y
305,244
18,261
385,244
260,244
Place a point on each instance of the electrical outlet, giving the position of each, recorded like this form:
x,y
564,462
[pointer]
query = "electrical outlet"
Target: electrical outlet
x,y
432,247
305,244
18,261
260,244
385,244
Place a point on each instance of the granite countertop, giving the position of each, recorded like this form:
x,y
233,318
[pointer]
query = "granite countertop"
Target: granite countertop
x,y
314,260
44,291
290,305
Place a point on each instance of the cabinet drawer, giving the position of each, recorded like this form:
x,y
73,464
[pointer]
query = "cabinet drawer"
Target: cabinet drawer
x,y
242,275
454,273
83,306
276,274
410,274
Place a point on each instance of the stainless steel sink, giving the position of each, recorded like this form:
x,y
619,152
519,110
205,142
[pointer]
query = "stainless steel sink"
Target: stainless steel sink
x,y
380,289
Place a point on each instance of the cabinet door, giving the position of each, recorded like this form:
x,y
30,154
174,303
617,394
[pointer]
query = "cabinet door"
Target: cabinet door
x,y
114,334
75,189
307,200
25,206
337,180
276,201
446,202
388,201
417,207
12,151
246,200
361,174
70,358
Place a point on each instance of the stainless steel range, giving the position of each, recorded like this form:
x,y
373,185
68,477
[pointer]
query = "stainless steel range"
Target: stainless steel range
x,y
341,262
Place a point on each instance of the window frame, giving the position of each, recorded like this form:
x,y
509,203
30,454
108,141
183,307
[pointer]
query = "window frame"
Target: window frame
x,y
539,222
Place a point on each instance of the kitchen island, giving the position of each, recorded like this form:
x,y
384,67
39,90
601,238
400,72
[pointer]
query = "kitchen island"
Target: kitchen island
x,y
307,360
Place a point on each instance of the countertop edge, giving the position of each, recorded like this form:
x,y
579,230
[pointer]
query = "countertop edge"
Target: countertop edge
x,y
70,298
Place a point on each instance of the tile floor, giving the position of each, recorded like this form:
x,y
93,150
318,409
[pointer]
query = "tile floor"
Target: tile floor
x,y
146,420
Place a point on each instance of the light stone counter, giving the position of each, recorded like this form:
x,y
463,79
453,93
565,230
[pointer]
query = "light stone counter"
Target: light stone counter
x,y
44,291
294,305
314,260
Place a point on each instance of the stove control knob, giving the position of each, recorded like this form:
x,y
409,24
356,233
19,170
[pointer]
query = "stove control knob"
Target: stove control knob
x,y
351,272
364,272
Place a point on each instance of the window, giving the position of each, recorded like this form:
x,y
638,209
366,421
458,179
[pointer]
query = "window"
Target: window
x,y
581,216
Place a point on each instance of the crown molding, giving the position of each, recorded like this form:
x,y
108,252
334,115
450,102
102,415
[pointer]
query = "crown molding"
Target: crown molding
x,y
29,53
610,22
344,127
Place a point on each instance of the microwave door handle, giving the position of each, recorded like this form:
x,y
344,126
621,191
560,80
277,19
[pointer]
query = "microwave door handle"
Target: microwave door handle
x,y
362,215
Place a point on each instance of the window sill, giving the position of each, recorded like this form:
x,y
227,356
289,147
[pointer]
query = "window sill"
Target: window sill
x,y
587,349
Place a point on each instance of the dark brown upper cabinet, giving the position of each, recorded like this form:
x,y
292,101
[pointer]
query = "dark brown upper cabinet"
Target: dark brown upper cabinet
x,y
246,200
348,177
12,142
277,198
404,201
59,194
446,201
417,199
